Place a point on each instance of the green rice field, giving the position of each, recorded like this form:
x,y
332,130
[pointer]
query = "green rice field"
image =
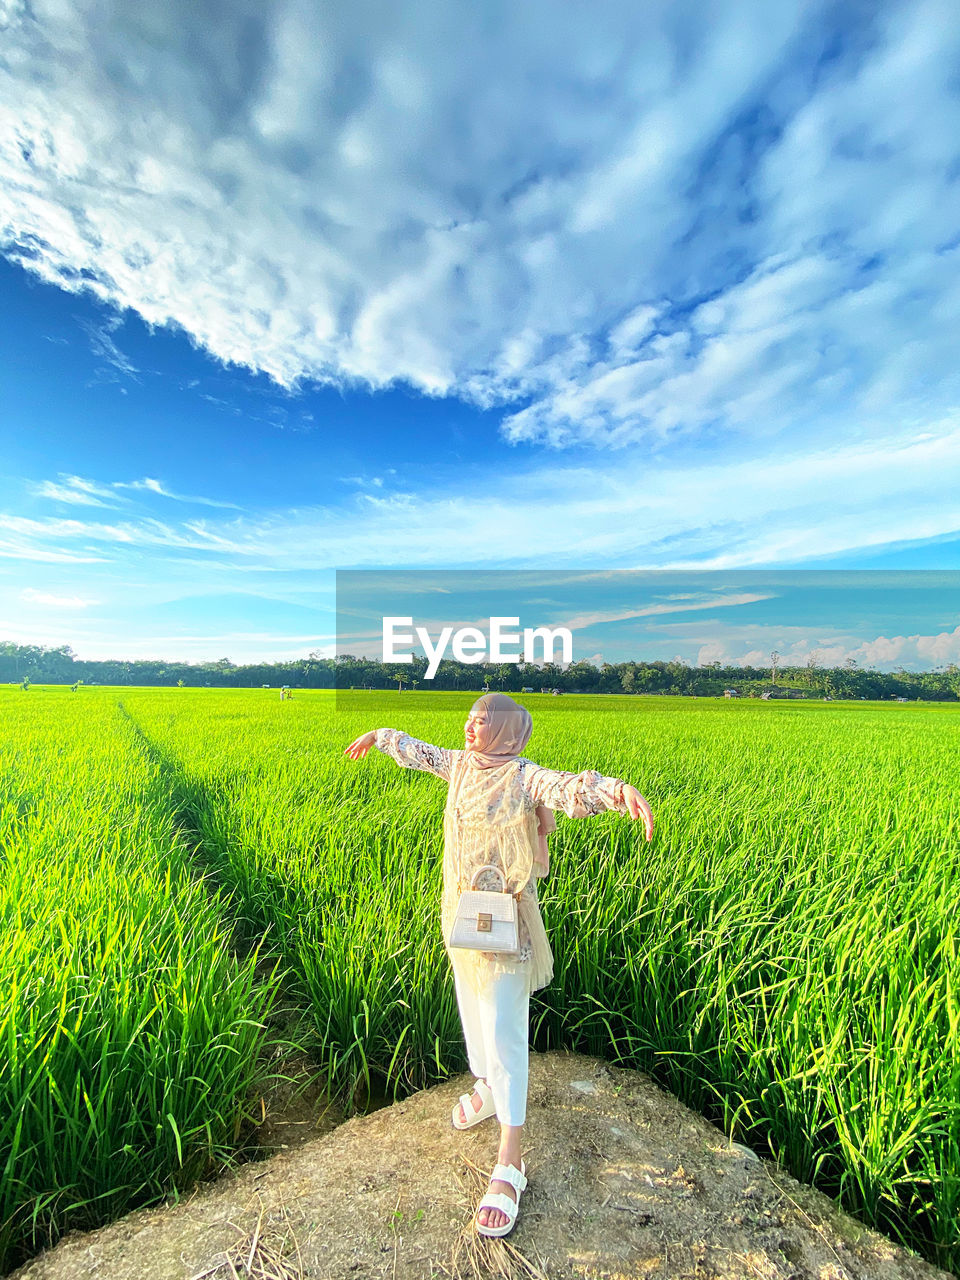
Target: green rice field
x,y
783,957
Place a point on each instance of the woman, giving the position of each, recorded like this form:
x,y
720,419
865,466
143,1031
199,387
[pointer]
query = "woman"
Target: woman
x,y
499,813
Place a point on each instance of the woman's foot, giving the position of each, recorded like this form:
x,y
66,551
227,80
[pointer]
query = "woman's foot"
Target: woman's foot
x,y
508,1155
475,1101
496,1217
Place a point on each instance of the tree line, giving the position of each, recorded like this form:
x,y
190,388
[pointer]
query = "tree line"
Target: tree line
x,y
26,664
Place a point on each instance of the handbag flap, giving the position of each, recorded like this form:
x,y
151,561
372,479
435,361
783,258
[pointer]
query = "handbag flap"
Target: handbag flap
x,y
500,906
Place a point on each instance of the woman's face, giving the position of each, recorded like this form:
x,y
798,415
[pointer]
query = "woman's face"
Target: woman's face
x,y
475,730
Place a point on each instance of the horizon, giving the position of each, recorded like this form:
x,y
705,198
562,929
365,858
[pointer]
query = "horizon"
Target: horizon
x,y
874,620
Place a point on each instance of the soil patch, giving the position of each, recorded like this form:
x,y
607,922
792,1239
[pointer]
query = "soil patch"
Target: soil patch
x,y
624,1182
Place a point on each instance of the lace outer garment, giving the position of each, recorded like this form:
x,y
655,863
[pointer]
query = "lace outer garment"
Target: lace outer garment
x,y
490,818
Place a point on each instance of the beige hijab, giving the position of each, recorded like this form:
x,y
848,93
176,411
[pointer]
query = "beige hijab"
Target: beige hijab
x,y
505,734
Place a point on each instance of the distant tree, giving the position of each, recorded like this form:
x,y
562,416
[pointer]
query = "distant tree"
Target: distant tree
x,y
584,676
774,664
26,665
551,675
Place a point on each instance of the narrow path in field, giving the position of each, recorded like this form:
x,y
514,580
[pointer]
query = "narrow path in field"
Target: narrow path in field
x,y
263,901
296,1107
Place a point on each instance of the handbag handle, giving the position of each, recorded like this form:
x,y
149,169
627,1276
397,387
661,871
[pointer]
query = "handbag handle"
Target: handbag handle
x,y
488,866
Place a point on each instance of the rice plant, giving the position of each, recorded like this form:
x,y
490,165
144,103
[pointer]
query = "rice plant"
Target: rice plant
x,y
131,1035
783,957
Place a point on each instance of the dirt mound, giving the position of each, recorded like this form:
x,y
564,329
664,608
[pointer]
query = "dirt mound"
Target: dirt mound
x,y
624,1182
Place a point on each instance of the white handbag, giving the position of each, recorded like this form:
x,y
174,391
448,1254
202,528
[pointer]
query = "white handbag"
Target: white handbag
x,y
487,919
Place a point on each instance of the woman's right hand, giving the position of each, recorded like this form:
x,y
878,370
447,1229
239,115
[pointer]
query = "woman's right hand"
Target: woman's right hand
x,y
359,747
637,807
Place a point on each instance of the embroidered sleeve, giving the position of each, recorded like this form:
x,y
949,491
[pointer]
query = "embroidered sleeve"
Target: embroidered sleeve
x,y
411,753
578,795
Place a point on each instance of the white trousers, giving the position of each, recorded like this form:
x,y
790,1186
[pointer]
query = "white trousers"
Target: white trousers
x,y
495,1028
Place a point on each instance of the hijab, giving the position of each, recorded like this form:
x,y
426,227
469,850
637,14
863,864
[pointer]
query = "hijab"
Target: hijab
x,y
506,733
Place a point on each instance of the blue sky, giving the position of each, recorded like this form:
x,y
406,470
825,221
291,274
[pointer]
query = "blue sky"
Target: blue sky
x,y
494,286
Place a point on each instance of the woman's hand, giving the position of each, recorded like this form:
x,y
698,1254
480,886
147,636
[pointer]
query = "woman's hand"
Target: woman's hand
x,y
637,807
359,747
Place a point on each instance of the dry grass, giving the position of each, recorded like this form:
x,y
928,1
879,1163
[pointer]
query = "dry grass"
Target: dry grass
x,y
271,1254
476,1257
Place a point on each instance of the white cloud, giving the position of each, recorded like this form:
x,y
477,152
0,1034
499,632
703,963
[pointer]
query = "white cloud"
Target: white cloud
x,y
81,492
31,596
75,490
713,651
150,485
584,620
911,651
145,532
104,347
30,547
625,223
796,645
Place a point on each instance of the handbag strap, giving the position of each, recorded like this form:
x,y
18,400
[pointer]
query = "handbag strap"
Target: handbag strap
x,y
488,866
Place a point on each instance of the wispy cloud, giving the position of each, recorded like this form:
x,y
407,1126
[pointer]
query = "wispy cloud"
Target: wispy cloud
x,y
31,596
89,493
30,546
631,225
795,510
150,485
144,532
104,347
364,482
75,490
584,620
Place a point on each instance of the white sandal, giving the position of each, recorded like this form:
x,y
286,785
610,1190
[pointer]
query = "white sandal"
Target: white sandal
x,y
473,1116
500,1200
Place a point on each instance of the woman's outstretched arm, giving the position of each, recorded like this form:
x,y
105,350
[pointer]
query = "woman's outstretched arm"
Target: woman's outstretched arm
x,y
581,795
409,753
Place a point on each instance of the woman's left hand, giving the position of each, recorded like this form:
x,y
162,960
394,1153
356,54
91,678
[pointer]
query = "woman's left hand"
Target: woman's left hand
x,y
637,807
